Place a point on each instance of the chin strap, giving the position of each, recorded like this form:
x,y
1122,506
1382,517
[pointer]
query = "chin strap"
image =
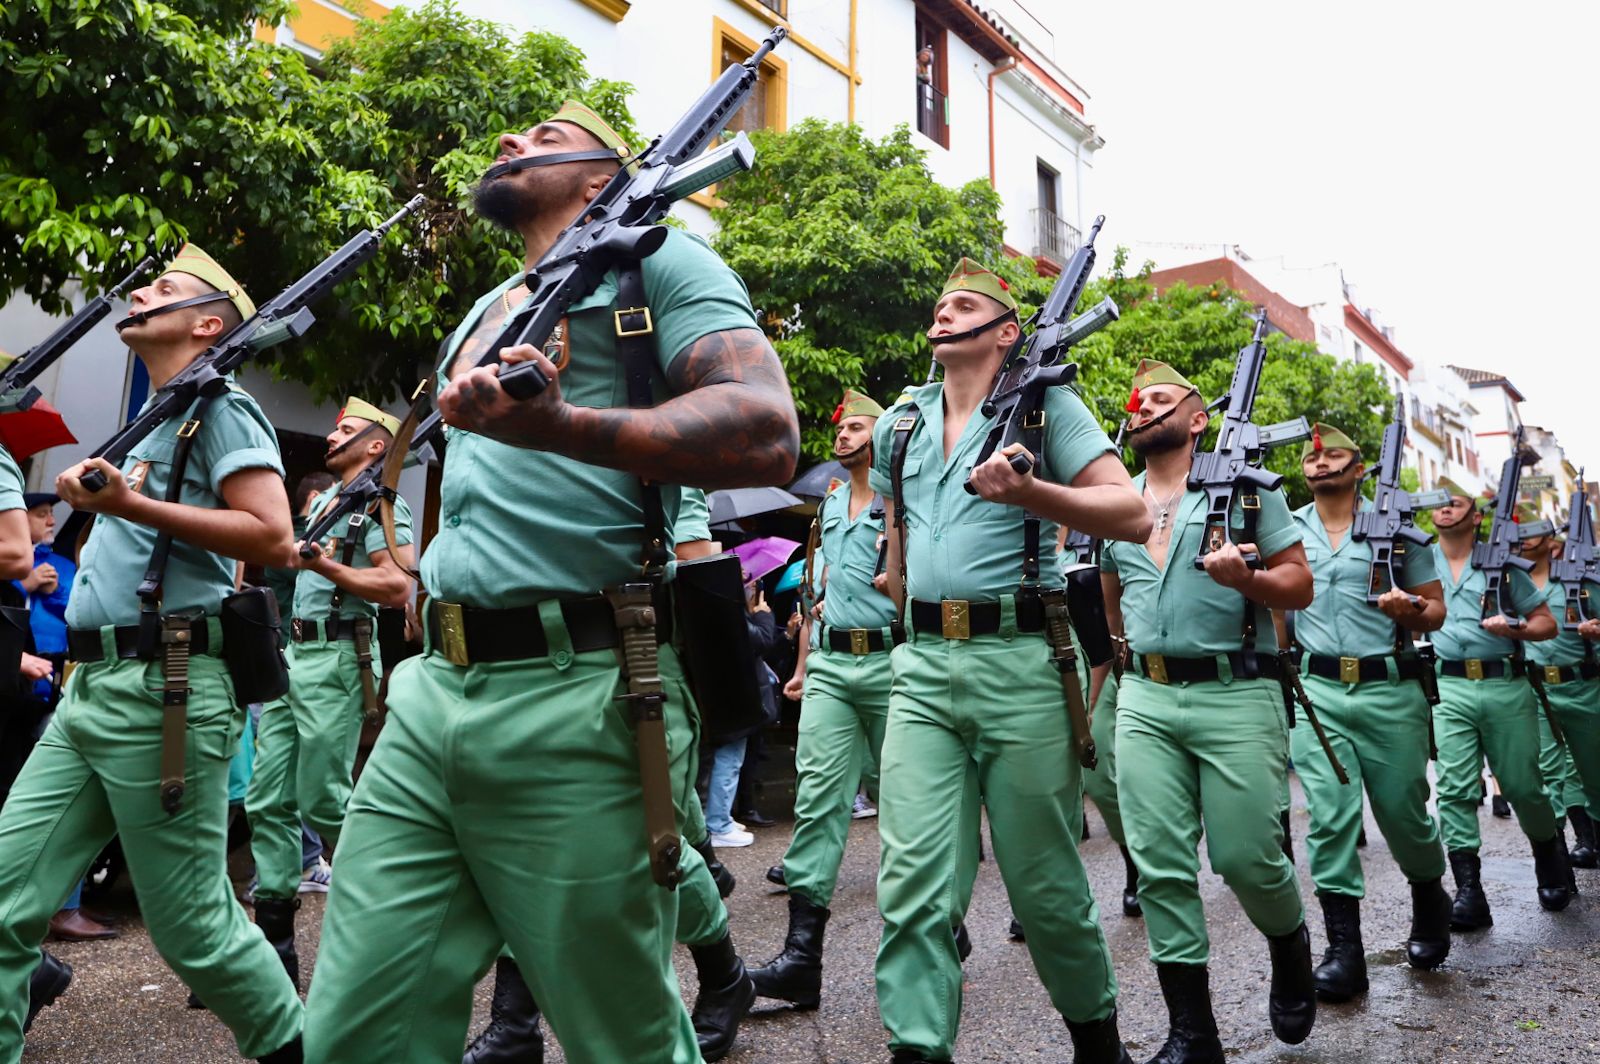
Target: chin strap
x,y
1159,418
145,315
351,442
837,457
528,162
973,333
1333,475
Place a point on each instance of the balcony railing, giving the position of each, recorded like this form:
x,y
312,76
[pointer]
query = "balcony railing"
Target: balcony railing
x,y
1053,238
933,114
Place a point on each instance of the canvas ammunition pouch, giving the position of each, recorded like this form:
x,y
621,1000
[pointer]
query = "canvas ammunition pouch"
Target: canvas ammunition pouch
x,y
252,637
1086,603
713,635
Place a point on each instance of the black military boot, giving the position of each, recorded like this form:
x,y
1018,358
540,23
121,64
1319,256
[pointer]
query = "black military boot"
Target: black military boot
x,y
1500,807
1130,886
775,875
726,994
795,975
1288,836
1470,910
288,1053
275,917
963,942
1292,1000
1429,943
513,1035
1343,971
1553,872
48,982
908,1056
1191,1027
1015,931
719,871
1584,853
1098,1042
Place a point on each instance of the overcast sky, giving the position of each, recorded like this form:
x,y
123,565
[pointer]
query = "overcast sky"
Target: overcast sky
x,y
1443,154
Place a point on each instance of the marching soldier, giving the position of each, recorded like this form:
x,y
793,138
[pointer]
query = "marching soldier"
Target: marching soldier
x,y
1572,683
976,692
306,741
1202,741
1371,702
1487,708
505,800
212,480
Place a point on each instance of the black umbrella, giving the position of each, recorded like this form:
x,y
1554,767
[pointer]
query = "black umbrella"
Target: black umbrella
x,y
813,483
735,503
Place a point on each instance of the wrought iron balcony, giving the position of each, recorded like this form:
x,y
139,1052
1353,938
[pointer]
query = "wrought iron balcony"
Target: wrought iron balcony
x,y
1053,237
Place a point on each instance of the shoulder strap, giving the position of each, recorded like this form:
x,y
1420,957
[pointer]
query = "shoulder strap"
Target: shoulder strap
x,y
155,573
1033,440
1250,502
636,346
354,530
903,427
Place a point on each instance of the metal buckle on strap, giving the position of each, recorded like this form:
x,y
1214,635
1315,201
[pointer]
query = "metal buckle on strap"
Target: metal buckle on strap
x,y
644,330
452,632
1474,668
297,629
1034,419
955,619
1155,667
1349,670
858,642
189,428
1552,674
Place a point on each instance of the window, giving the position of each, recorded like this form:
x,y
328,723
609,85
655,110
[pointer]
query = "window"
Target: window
x,y
1357,353
767,105
1049,182
933,106
1053,239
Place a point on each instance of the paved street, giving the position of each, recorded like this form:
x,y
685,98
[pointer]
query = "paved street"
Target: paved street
x,y
1527,990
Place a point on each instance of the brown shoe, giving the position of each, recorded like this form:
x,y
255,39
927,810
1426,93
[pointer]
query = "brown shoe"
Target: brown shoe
x,y
70,925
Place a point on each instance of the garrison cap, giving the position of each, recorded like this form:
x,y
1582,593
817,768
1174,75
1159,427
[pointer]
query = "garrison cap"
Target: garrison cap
x,y
970,276
1447,485
1149,374
585,118
357,407
196,263
1325,437
854,404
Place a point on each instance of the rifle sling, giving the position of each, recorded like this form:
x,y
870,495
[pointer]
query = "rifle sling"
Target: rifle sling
x,y
360,627
1250,502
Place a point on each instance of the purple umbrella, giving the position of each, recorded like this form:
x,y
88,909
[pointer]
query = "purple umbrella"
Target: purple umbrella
x,y
761,556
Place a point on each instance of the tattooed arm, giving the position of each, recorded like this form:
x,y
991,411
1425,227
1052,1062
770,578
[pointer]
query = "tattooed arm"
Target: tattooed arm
x,y
731,422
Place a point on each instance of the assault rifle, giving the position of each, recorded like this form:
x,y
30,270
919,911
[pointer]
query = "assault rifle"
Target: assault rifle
x,y
619,225
1036,363
287,316
1231,471
1578,565
16,383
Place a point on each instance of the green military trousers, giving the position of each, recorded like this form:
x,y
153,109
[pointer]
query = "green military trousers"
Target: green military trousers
x,y
1379,732
1577,707
501,804
305,754
1497,719
95,774
987,710
841,725
1560,775
1100,783
1206,756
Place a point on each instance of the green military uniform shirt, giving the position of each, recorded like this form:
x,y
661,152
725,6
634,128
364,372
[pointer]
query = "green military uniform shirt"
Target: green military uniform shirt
x,y
313,592
850,551
234,436
1180,611
518,526
961,546
692,521
1567,647
1463,636
1339,622
10,482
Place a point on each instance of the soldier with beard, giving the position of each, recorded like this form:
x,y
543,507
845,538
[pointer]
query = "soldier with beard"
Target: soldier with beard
x,y
503,802
1371,703
306,740
1202,742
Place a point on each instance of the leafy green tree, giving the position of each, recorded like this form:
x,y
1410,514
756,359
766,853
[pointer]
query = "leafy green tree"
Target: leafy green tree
x,y
128,126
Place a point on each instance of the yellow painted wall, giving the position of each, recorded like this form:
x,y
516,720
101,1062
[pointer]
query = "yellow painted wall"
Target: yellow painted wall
x,y
316,25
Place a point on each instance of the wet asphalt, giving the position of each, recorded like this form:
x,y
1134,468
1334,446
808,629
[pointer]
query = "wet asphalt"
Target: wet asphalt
x,y
1527,989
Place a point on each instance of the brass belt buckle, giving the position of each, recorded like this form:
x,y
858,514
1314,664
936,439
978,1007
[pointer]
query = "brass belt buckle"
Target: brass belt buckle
x,y
1552,674
641,325
1474,668
1349,670
955,617
858,642
452,632
1155,667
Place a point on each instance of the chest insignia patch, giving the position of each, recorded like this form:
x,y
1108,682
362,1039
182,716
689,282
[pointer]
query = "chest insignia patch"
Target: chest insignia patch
x,y
136,476
558,347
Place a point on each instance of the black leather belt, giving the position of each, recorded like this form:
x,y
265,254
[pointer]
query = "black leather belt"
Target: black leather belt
x,y
469,635
83,644
304,631
1164,668
1361,670
859,641
961,619
1583,670
1480,668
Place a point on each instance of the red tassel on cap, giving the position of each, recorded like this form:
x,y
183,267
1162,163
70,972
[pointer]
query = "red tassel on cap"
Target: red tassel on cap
x,y
838,412
1133,402
1316,440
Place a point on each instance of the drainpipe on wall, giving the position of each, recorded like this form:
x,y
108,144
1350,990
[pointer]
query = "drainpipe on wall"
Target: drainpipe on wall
x,y
851,77
1009,64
